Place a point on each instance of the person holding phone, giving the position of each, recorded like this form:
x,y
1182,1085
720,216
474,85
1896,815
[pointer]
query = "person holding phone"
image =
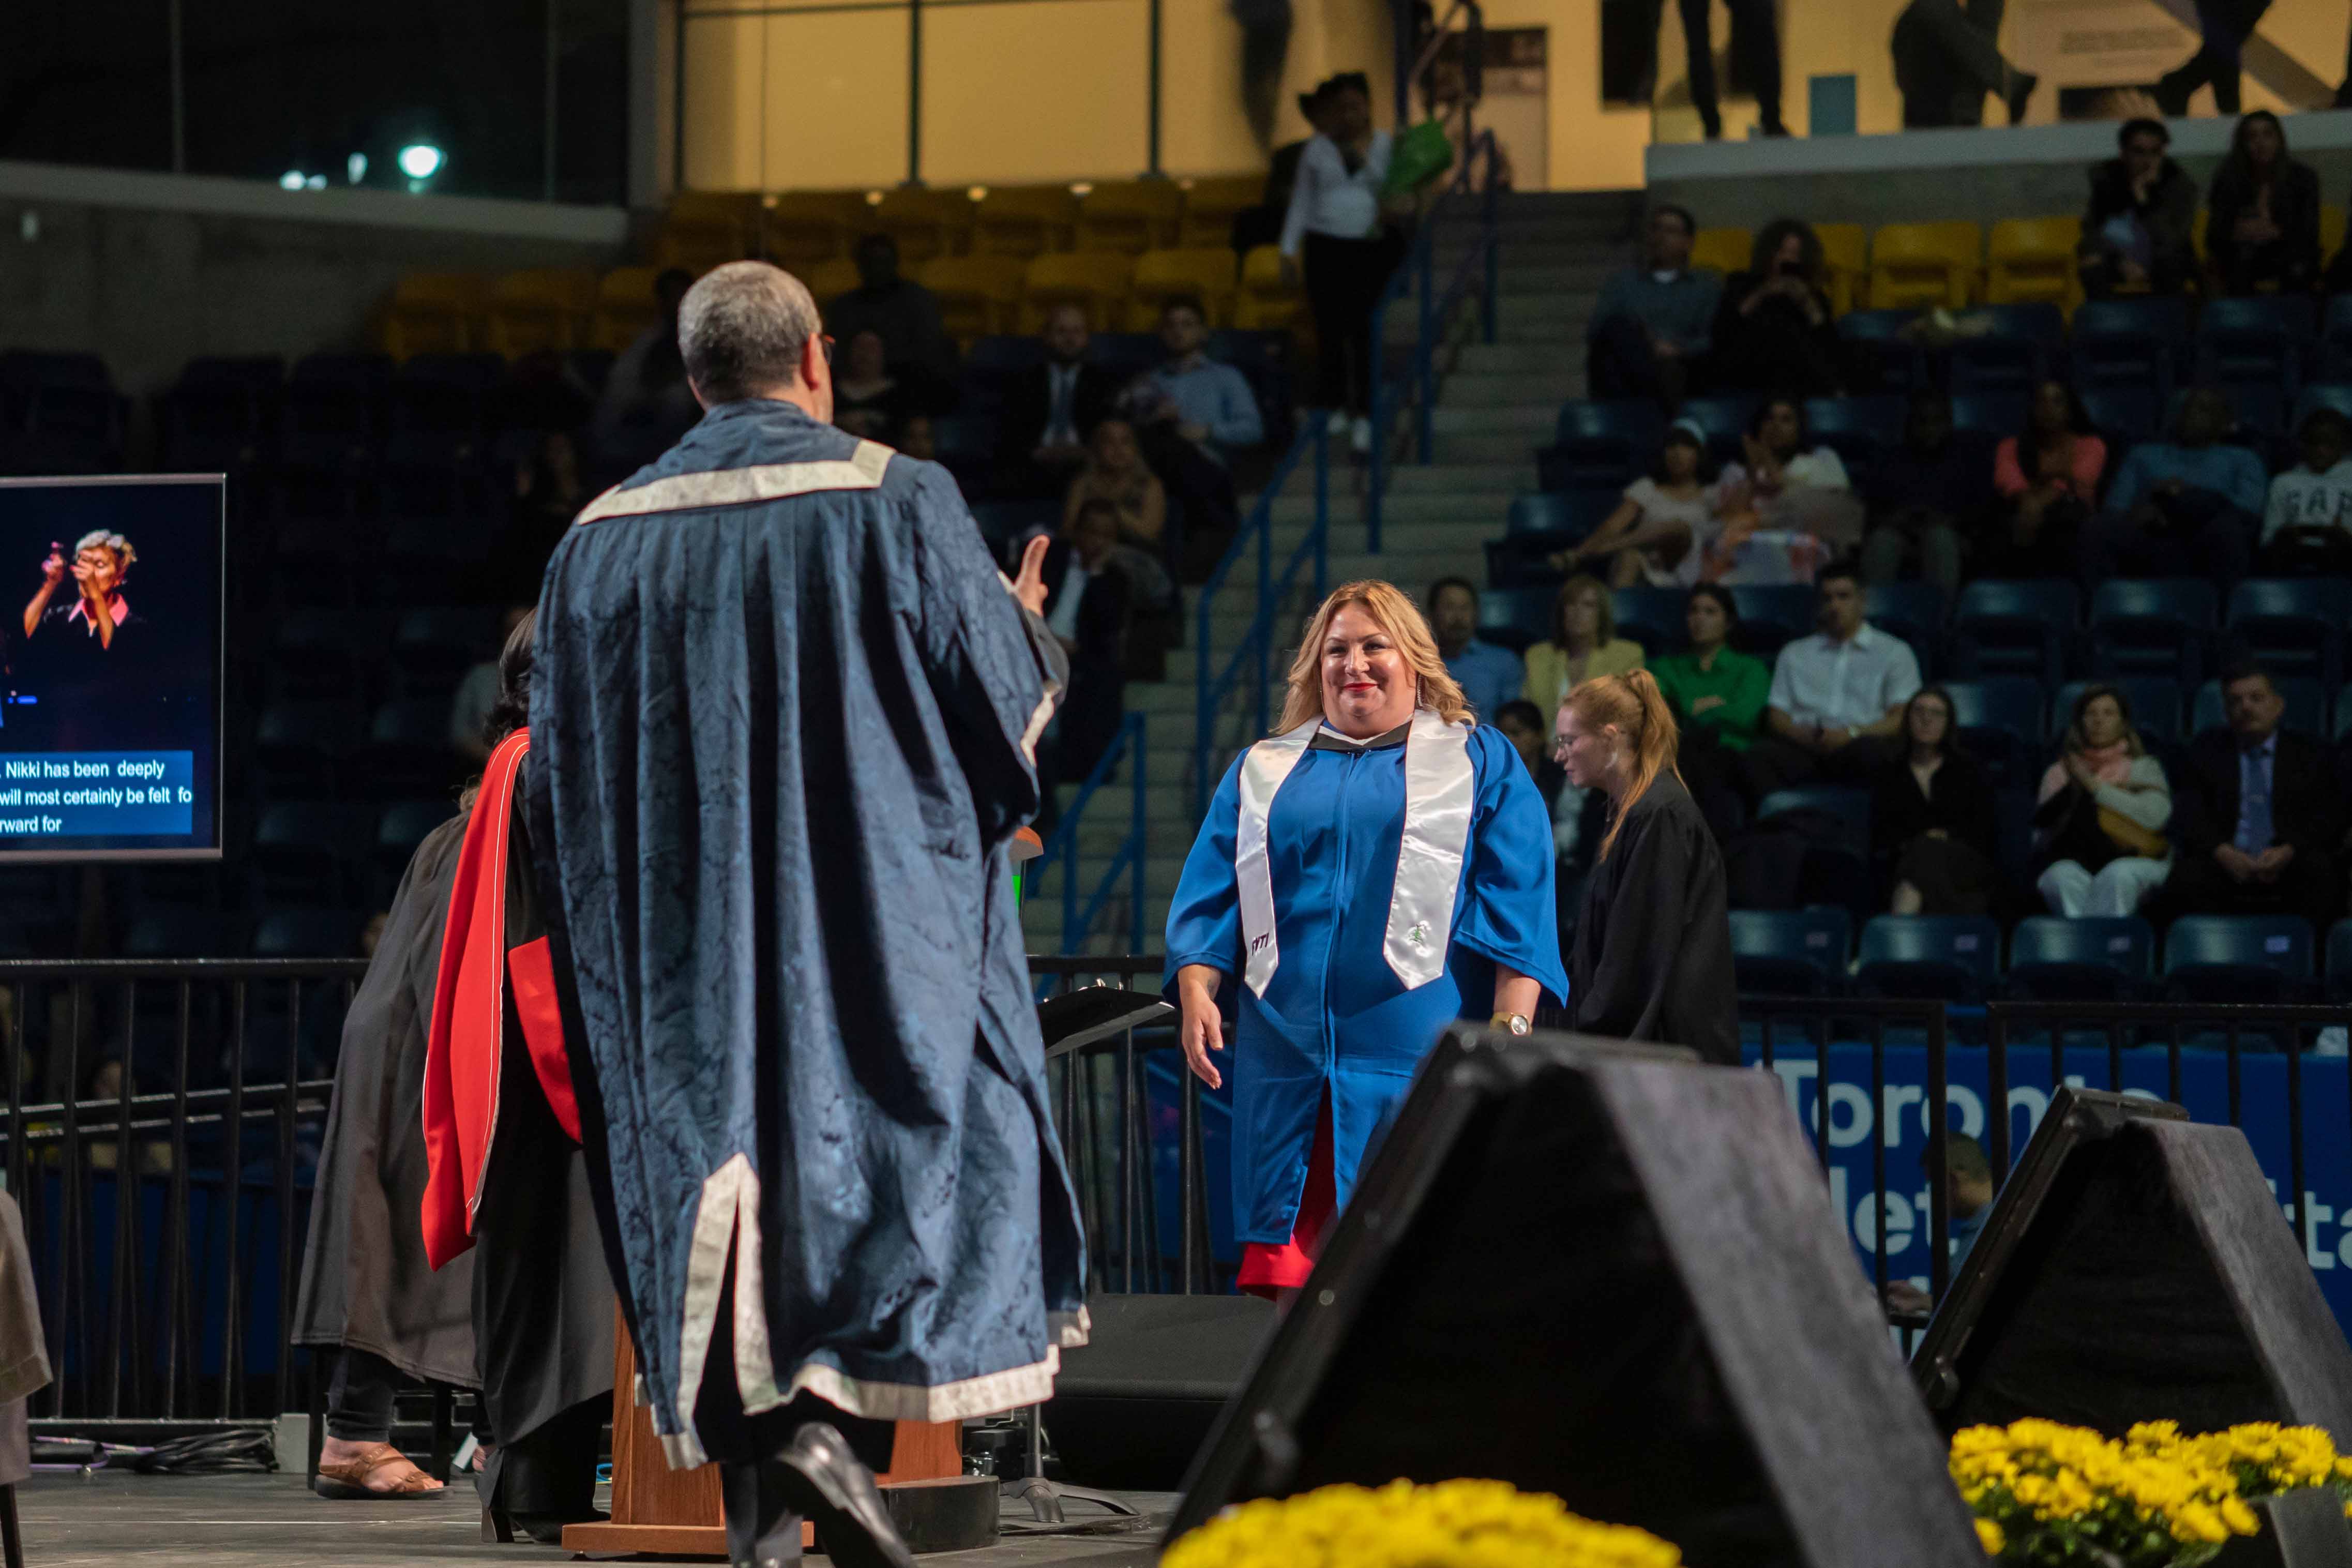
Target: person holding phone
x,y
97,608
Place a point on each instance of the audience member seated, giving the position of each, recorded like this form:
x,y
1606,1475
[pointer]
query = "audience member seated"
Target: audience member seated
x,y
2186,508
2140,231
1718,695
2307,527
2263,227
1787,508
868,400
1086,609
646,404
2048,476
904,313
1931,818
549,491
1774,329
1191,415
1946,59
2259,813
477,693
1654,321
1049,407
1523,725
1661,532
1115,472
1583,643
2099,826
1837,697
1927,500
1489,675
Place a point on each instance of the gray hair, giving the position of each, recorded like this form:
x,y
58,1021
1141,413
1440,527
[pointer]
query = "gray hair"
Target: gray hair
x,y
113,543
742,328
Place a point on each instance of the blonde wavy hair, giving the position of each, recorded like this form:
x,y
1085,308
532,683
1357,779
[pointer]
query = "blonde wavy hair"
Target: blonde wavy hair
x,y
1393,611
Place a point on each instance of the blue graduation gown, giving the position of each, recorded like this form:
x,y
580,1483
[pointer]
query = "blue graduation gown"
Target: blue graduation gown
x,y
783,714
1336,1018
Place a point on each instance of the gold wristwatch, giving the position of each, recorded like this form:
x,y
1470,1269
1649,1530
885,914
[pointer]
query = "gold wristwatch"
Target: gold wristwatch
x,y
1512,1023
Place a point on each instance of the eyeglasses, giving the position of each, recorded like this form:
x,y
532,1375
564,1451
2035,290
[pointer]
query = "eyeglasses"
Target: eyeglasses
x,y
827,339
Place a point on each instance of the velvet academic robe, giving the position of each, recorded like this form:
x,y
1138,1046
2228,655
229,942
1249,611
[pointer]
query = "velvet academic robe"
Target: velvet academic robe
x,y
784,711
1653,955
1351,954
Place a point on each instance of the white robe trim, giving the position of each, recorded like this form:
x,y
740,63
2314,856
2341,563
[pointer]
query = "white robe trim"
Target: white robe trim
x,y
861,470
1440,789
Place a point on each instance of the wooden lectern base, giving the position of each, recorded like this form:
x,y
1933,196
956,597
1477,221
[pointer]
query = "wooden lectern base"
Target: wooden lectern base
x,y
677,1513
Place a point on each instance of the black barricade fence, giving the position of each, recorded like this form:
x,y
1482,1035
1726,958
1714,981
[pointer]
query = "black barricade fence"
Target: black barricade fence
x,y
162,1121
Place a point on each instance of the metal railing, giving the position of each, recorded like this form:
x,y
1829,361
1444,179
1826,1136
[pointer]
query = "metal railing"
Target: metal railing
x,y
1256,650
1062,849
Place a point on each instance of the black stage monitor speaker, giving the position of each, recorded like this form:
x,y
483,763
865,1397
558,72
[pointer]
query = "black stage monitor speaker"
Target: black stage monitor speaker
x,y
1134,1405
2134,1268
1606,1272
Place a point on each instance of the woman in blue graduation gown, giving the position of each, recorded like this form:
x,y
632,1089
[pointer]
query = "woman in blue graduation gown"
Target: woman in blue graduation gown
x,y
1379,866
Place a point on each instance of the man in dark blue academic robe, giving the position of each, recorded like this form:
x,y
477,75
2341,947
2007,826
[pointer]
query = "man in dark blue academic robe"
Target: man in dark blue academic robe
x,y
783,723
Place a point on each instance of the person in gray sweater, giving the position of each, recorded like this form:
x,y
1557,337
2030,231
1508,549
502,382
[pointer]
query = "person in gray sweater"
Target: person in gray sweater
x,y
2099,845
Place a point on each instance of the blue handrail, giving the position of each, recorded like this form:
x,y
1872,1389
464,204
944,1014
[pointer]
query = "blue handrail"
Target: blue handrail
x,y
1077,924
1257,643
1482,261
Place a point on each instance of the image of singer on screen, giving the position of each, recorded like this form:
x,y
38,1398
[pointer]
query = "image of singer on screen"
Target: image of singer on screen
x,y
95,609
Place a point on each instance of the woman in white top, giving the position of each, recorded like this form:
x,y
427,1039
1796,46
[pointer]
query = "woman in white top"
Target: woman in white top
x,y
1788,507
1334,227
1665,524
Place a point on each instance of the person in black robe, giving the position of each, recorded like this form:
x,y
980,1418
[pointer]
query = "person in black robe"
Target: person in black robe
x,y
1652,957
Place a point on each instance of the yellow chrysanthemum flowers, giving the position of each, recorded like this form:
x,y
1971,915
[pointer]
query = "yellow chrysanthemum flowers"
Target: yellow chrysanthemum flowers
x,y
1452,1524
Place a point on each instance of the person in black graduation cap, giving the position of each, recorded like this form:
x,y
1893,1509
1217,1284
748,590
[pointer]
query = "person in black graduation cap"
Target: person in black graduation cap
x,y
1652,957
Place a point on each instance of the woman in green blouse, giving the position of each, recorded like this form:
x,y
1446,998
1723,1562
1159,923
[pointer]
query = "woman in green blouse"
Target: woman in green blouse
x,y
1717,694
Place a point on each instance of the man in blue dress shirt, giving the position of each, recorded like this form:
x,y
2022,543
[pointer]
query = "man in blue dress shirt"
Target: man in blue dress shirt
x,y
1489,675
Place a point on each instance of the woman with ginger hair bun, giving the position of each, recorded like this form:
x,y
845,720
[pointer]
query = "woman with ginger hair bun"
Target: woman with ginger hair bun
x,y
1652,953
1377,867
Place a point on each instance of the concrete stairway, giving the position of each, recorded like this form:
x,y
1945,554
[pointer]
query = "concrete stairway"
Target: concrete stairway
x,y
1498,401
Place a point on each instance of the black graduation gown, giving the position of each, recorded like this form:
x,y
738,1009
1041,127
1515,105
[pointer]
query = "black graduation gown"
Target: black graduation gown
x,y
1652,959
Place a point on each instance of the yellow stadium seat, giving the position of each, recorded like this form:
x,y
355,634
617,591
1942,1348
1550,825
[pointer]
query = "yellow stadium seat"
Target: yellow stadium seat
x,y
800,229
1266,303
434,314
978,295
1132,215
1023,221
546,309
2331,232
1914,265
1203,273
925,223
829,281
2031,261
1724,249
625,306
704,229
1209,206
1094,280
1845,253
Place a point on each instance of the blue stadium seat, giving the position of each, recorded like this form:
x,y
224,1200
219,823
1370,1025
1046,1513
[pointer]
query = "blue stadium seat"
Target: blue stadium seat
x,y
1725,419
1791,953
1125,354
1004,354
408,754
2238,958
403,825
1999,719
175,930
2152,626
2305,700
2124,417
1602,445
2335,341
302,852
1878,335
1956,958
299,747
2155,701
438,411
432,650
2293,626
1570,516
1652,617
2335,394
1006,523
331,419
1994,414
1850,805
1860,429
2026,344
59,413
2012,823
221,415
319,653
1913,609
2255,340
1774,614
2105,959
1515,617
2339,961
2129,342
308,933
2014,627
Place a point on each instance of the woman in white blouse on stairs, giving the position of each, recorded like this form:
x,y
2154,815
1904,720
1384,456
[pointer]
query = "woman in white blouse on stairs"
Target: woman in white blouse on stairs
x,y
1334,225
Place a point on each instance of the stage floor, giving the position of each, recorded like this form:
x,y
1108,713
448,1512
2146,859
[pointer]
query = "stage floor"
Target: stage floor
x,y
71,1521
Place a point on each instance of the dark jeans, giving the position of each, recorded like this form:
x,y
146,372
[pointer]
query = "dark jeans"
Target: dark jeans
x,y
358,1397
2223,26
2309,886
1756,48
1620,363
2147,542
1946,59
1774,763
1344,279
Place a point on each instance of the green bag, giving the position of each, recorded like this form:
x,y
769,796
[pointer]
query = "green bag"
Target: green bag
x,y
1418,156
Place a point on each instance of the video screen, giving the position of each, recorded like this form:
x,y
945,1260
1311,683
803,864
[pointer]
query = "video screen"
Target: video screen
x,y
110,629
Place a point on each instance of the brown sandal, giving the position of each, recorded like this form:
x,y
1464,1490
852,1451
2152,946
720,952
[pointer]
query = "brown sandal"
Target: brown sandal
x,y
346,1480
